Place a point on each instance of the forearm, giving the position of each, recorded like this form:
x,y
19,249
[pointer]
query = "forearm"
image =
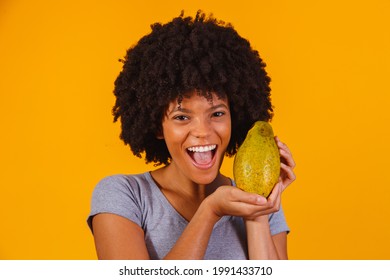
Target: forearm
x,y
260,242
192,244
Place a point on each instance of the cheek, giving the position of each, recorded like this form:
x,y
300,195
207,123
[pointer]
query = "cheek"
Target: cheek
x,y
173,137
225,132
173,133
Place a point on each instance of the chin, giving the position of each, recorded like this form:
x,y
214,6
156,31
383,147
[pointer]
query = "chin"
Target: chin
x,y
206,178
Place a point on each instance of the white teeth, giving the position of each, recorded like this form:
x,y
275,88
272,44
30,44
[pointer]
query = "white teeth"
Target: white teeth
x,y
201,149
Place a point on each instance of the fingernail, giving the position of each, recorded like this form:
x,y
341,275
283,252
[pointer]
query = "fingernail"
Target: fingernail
x,y
261,200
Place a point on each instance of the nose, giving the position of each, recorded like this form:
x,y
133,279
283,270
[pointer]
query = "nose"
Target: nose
x,y
201,128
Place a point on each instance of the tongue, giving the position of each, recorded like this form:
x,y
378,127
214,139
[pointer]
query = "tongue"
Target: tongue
x,y
203,158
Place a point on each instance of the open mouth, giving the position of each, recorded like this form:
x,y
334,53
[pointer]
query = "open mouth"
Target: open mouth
x,y
202,155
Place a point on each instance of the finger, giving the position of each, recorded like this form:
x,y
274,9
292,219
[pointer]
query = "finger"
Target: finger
x,y
281,145
250,210
274,201
272,207
287,174
287,158
247,197
275,193
285,152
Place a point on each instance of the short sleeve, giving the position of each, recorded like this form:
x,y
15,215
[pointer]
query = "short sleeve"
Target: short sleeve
x,y
277,222
116,195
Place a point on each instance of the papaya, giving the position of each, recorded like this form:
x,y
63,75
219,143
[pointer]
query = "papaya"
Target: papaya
x,y
256,166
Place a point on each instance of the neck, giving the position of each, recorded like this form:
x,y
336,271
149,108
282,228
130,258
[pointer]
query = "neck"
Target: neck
x,y
184,186
183,194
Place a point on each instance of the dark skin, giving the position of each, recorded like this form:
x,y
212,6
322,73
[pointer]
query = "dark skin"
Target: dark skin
x,y
200,193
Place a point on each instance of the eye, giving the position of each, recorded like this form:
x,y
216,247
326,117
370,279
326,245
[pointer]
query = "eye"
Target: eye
x,y
218,114
181,118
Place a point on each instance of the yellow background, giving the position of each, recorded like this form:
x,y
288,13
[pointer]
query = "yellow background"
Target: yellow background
x,y
329,64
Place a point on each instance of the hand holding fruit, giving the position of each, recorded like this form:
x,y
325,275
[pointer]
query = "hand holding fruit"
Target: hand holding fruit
x,y
231,201
286,177
264,164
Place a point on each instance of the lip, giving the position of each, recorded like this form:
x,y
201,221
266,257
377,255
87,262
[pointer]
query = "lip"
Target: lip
x,y
204,166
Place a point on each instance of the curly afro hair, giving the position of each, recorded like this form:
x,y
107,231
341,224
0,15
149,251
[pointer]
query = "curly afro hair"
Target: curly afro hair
x,y
188,54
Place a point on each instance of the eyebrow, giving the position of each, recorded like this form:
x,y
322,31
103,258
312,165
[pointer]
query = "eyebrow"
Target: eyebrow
x,y
184,110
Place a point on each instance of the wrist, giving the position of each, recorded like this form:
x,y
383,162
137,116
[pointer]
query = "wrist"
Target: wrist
x,y
210,212
262,220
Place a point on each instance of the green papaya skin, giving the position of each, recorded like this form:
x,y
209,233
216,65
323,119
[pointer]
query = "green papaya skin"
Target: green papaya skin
x,y
256,167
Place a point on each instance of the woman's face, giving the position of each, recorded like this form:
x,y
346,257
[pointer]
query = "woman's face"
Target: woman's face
x,y
197,134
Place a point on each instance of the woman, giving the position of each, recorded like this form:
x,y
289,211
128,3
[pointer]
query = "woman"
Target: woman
x,y
186,97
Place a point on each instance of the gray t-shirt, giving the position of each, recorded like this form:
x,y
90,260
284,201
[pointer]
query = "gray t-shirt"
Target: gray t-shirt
x,y
138,198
